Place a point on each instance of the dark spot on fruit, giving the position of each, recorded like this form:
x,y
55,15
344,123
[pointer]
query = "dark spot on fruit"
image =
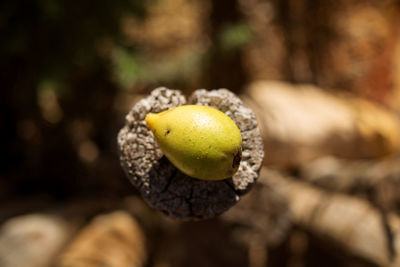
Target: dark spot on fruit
x,y
236,159
167,132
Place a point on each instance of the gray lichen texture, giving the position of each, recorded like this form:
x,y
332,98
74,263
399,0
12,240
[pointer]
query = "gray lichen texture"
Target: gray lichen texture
x,y
166,188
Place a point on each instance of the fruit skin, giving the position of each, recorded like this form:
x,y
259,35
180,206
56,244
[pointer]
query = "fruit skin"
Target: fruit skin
x,y
200,141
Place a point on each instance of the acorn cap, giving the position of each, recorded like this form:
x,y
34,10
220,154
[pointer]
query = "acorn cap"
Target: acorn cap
x,y
161,184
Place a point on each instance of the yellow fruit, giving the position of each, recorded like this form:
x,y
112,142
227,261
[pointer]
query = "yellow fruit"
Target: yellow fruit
x,y
200,141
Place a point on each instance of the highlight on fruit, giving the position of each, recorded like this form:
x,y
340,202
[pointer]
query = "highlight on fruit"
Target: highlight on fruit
x,y
200,141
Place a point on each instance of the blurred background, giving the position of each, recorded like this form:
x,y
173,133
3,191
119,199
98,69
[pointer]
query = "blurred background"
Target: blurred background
x,y
323,77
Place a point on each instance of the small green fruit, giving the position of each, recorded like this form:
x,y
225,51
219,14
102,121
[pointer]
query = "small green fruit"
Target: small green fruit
x,y
200,141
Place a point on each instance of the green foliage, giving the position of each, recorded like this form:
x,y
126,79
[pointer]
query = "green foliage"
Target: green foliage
x,y
127,67
132,66
234,36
